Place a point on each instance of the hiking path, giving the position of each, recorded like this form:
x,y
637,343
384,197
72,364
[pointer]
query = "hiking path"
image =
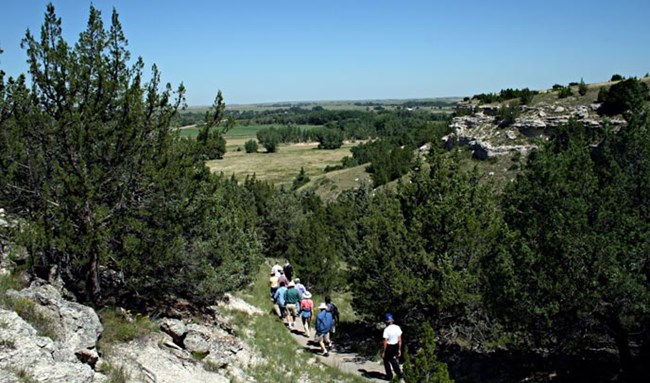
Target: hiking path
x,y
339,358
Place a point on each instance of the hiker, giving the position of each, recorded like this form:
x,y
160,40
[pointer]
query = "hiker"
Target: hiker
x,y
331,307
300,287
324,323
279,300
288,270
283,278
392,347
292,303
276,269
273,281
306,310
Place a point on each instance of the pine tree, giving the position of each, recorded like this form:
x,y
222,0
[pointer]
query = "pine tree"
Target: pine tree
x,y
582,88
424,367
92,168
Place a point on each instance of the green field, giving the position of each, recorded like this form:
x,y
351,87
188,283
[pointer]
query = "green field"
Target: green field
x,y
240,131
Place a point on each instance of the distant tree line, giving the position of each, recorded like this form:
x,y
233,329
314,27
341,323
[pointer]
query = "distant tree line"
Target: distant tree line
x,y
524,95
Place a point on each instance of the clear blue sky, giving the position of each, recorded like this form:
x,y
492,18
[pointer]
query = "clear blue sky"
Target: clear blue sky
x,y
263,51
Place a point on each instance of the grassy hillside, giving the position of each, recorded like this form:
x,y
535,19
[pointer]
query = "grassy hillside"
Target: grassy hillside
x,y
329,185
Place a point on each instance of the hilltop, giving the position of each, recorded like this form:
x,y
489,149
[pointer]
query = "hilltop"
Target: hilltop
x,y
503,128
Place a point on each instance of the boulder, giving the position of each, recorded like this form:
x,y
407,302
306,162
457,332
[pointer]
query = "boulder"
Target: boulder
x,y
77,327
174,327
234,303
197,339
145,360
24,355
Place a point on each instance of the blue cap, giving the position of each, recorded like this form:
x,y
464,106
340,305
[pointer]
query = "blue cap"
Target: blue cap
x,y
388,317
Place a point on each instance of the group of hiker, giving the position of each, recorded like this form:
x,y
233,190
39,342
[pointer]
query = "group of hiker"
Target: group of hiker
x,y
292,300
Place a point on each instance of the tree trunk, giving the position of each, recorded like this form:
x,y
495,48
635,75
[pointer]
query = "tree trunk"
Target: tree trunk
x,y
93,284
624,352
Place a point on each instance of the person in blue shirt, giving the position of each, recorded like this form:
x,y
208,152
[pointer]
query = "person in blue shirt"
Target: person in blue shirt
x,y
280,303
324,322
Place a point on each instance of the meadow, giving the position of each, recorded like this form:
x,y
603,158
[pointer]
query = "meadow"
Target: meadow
x,y
279,168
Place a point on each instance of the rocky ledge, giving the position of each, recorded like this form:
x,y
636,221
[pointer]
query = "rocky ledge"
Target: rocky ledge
x,y
483,134
64,348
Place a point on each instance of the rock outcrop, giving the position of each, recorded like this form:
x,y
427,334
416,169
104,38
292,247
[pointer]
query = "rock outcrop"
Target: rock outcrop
x,y
185,352
481,132
77,327
26,356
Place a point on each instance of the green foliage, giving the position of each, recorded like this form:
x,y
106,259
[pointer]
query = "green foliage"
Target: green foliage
x,y
508,114
424,366
565,92
582,87
251,146
314,254
626,95
617,77
301,179
388,162
123,326
28,310
525,96
602,94
210,141
579,231
91,167
269,138
328,138
419,251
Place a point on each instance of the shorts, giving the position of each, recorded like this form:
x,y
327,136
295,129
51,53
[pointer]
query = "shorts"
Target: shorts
x,y
322,337
291,309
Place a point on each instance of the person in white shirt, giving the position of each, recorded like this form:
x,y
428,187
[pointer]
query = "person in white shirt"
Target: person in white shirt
x,y
392,347
276,269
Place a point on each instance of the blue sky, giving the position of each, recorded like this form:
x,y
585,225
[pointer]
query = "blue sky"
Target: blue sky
x,y
264,51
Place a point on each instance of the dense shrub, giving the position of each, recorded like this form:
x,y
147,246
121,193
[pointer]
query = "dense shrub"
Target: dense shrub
x,y
626,95
251,146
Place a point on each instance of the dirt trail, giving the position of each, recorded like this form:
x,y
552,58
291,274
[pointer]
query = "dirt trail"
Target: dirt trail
x,y
345,361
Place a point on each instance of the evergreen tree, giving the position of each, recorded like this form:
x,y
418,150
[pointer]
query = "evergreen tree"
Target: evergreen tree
x,y
92,169
211,143
582,88
424,367
301,179
579,230
419,250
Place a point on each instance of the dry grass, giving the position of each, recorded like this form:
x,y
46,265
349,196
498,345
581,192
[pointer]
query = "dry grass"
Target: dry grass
x,y
281,167
329,185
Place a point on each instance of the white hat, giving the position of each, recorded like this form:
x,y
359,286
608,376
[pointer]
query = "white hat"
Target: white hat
x,y
306,295
322,306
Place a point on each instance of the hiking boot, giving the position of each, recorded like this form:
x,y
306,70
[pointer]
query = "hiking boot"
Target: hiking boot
x,y
326,353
